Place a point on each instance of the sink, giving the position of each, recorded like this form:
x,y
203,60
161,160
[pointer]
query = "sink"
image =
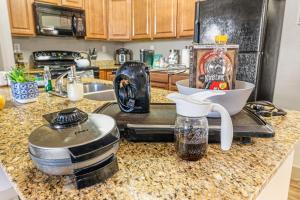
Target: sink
x,y
96,87
99,92
94,91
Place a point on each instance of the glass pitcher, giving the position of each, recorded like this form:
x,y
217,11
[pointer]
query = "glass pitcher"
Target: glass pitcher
x,y
191,126
191,137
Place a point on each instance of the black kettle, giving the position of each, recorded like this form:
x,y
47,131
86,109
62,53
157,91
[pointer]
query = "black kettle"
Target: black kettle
x,y
132,87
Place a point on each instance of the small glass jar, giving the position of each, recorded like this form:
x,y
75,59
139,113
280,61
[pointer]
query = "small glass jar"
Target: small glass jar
x,y
191,137
75,88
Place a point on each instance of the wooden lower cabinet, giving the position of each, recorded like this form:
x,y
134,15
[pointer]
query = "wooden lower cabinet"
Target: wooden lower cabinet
x,y
174,78
166,81
107,74
160,85
110,76
161,80
102,74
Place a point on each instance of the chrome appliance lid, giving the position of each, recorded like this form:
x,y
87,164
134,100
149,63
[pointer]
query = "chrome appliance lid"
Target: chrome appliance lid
x,y
66,118
94,128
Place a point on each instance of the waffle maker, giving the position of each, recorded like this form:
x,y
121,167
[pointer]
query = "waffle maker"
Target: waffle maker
x,y
78,144
132,87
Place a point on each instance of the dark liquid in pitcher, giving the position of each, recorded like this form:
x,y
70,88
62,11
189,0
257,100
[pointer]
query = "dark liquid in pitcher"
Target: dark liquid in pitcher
x,y
190,151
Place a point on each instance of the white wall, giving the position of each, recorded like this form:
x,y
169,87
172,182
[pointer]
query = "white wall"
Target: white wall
x,y
28,45
6,51
287,92
1,61
160,46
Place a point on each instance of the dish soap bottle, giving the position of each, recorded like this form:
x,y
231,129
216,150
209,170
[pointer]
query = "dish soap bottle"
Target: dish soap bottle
x,y
74,86
191,126
47,79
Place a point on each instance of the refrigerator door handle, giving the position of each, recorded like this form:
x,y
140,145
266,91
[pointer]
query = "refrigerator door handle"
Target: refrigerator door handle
x,y
197,22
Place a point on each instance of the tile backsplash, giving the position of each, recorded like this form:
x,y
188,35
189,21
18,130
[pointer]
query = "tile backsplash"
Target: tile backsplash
x,y
160,46
105,49
28,45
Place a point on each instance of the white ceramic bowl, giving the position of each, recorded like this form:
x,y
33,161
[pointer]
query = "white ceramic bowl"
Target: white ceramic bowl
x,y
232,100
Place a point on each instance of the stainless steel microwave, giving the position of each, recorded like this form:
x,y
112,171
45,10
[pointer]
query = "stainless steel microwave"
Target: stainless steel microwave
x,y
59,21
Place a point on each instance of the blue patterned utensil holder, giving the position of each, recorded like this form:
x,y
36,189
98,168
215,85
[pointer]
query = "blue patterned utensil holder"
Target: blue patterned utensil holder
x,y
25,92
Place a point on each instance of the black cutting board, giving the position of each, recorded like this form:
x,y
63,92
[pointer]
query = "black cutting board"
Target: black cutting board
x,y
158,125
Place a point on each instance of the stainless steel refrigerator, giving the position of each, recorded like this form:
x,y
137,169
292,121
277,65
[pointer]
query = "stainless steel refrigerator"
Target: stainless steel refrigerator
x,y
256,26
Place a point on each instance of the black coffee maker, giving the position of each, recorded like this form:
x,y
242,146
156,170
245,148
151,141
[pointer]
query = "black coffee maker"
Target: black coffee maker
x,y
132,87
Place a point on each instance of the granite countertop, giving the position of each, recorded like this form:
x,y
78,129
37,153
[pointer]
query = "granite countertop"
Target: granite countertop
x,y
107,64
34,71
109,67
146,170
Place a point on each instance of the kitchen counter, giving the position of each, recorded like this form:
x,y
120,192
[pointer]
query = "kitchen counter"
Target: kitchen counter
x,y
108,67
34,71
106,64
147,171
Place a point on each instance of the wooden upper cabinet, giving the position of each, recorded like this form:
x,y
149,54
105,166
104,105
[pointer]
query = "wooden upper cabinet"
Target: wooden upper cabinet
x,y
141,19
185,18
72,3
96,21
21,17
56,2
119,19
164,18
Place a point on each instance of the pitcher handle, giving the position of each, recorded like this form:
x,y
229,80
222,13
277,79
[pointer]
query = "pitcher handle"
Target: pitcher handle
x,y
226,126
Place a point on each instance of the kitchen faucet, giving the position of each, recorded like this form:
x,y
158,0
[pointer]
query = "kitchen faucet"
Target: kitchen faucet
x,y
59,83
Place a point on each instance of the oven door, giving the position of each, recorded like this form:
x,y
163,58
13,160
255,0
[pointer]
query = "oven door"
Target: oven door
x,y
58,21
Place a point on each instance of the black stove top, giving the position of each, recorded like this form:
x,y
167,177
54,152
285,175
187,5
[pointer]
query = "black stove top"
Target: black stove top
x,y
59,62
54,59
54,55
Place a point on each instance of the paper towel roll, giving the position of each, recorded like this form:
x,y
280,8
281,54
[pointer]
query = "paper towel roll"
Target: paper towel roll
x,y
3,79
185,57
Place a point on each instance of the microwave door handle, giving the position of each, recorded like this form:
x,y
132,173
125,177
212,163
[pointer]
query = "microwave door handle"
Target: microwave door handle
x,y
74,25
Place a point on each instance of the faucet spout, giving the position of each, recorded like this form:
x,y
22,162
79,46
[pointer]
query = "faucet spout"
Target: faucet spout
x,y
60,90
59,83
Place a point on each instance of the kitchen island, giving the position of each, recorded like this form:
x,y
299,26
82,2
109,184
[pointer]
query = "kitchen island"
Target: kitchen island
x,y
148,170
